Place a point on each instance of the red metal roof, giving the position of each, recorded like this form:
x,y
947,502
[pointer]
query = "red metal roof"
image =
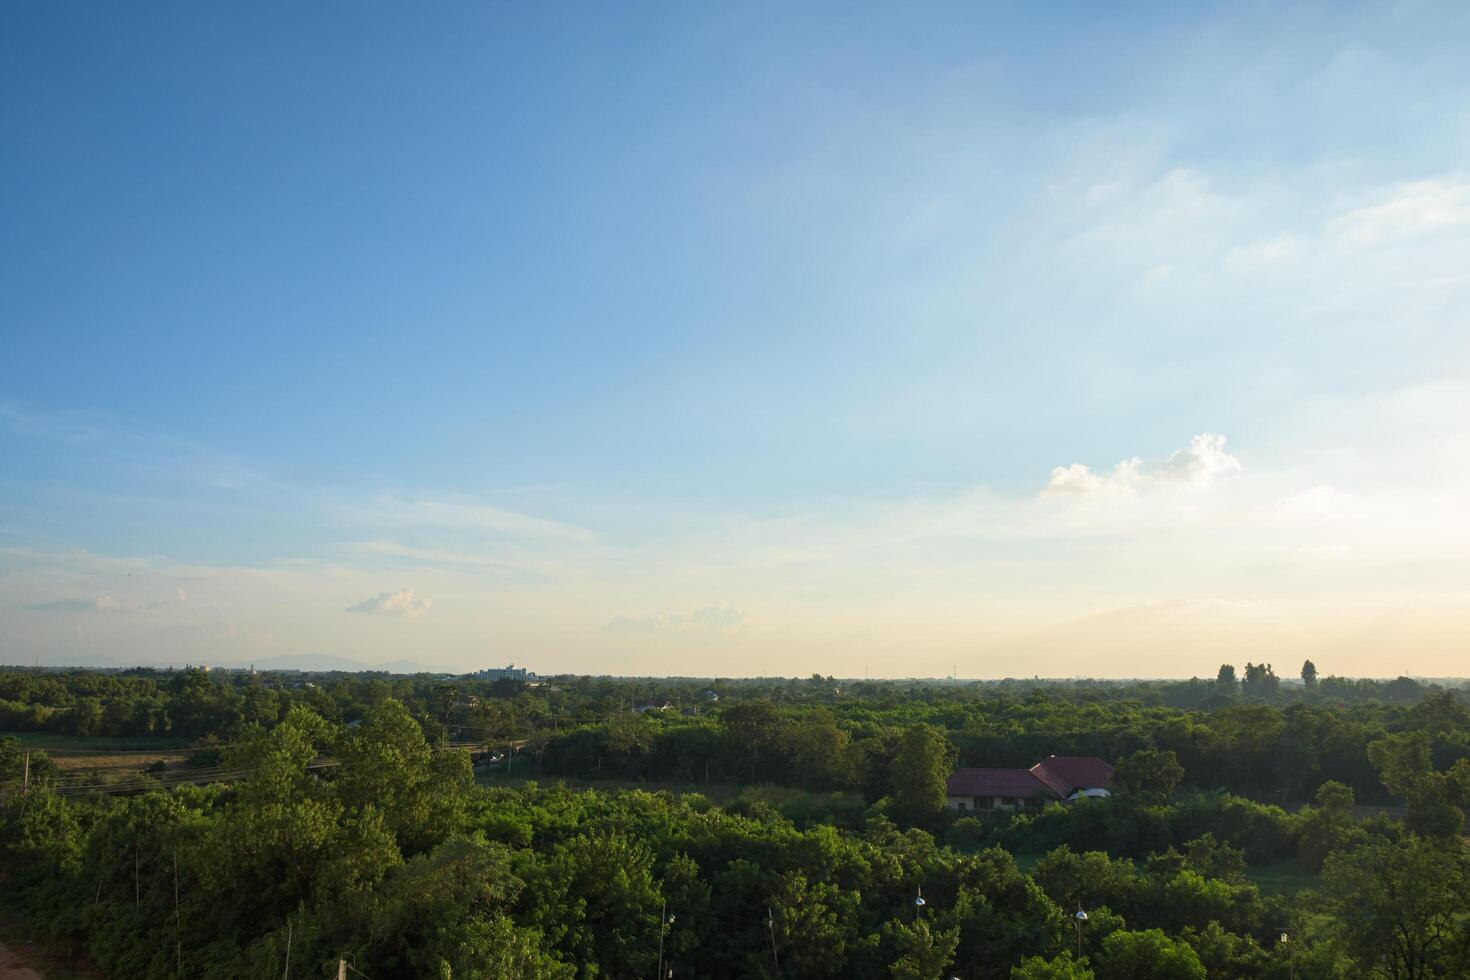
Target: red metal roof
x,y
1018,783
1065,773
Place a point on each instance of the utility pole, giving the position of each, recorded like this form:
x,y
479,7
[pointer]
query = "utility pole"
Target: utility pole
x,y
665,923
178,922
771,925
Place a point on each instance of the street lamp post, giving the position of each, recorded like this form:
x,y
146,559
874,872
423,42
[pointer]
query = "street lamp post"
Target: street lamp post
x,y
919,903
1079,918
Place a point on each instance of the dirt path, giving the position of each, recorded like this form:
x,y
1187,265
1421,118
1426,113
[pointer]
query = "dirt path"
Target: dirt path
x,y
12,968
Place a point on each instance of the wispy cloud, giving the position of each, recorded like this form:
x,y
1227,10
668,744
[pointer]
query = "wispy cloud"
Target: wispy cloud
x,y
390,510
401,603
1410,210
100,604
439,556
54,426
721,617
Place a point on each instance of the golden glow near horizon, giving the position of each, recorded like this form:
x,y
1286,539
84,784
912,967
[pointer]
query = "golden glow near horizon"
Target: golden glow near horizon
x,y
1142,568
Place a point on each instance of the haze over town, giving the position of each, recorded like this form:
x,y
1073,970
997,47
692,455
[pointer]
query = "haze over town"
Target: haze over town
x,y
1117,346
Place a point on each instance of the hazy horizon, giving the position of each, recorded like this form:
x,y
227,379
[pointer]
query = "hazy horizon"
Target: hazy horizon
x,y
1074,341
331,663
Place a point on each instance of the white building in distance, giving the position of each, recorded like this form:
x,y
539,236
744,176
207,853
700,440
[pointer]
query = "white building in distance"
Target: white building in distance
x,y
510,672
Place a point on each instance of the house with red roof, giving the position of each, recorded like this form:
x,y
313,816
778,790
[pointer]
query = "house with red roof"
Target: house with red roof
x,y
1059,777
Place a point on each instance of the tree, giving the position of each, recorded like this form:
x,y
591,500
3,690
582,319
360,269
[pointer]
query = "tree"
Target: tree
x,y
819,751
1226,677
1309,675
1326,827
1396,907
754,724
1260,681
1148,776
1148,954
493,949
1063,967
445,910
13,764
597,898
387,762
628,733
1003,915
811,922
1088,880
1436,800
923,951
921,769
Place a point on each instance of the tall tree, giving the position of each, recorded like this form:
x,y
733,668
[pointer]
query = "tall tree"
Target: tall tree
x,y
1226,676
754,724
1260,681
921,769
1309,674
818,750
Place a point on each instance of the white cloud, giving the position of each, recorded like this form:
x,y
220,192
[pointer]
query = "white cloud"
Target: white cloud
x,y
401,603
1197,466
1417,208
718,618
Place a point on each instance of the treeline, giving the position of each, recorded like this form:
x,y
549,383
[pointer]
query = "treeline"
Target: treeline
x,y
1257,750
818,733
391,858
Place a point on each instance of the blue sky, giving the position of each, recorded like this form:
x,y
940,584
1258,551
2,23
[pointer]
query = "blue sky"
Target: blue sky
x,y
754,338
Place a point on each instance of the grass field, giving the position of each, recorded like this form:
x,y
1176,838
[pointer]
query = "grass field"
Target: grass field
x,y
104,757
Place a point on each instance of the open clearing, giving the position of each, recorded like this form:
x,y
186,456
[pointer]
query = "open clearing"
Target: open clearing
x,y
105,758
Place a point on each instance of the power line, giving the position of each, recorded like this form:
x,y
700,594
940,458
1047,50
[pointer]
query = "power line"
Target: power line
x,y
173,751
